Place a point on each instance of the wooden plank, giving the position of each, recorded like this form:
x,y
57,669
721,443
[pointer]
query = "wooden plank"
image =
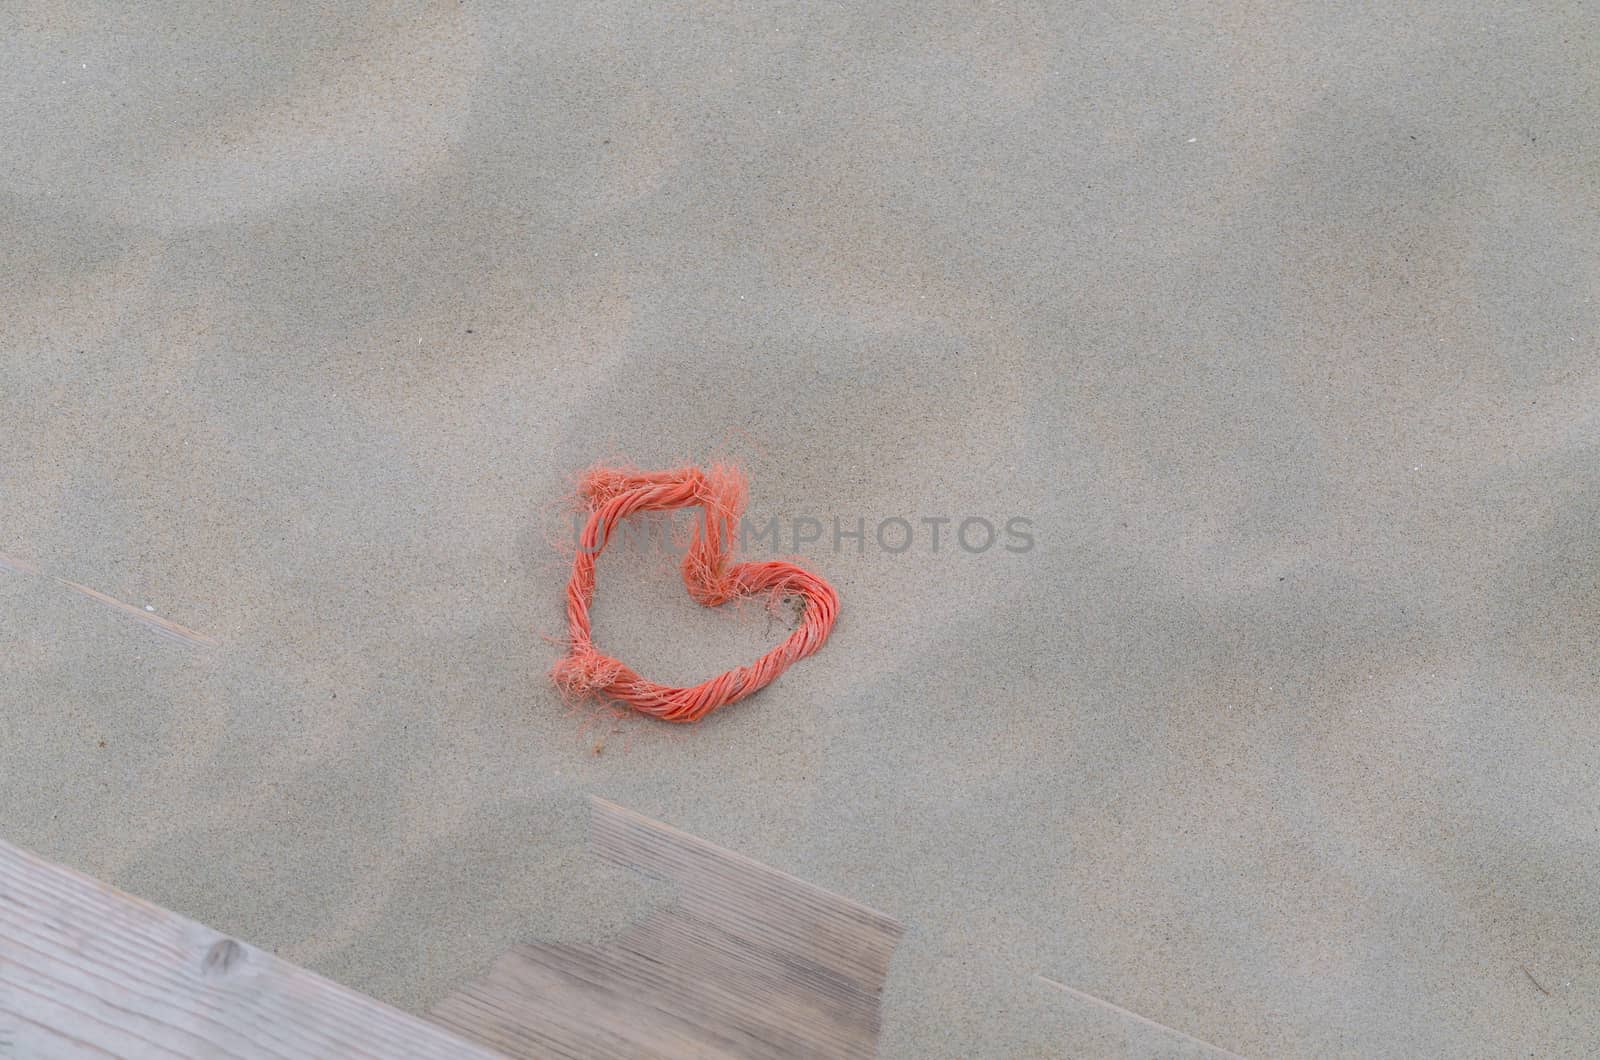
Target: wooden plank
x,y
726,888
750,963
87,971
531,1005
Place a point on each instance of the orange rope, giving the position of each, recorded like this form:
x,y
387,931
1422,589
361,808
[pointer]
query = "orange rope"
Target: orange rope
x,y
612,495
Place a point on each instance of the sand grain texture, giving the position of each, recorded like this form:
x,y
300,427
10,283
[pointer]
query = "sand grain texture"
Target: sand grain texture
x,y
1278,323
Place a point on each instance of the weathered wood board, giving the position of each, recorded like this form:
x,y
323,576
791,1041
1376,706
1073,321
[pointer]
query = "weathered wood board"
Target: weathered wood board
x,y
87,971
751,962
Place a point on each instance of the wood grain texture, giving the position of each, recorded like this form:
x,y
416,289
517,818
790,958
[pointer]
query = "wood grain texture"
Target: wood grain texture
x,y
751,962
87,971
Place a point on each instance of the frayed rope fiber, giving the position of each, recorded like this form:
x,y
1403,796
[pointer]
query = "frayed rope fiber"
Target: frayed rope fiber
x,y
712,577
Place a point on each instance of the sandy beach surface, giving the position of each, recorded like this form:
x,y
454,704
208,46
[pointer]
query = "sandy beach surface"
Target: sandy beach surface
x,y
1276,323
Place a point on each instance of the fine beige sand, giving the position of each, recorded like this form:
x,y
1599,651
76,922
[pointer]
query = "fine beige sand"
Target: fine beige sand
x,y
1278,323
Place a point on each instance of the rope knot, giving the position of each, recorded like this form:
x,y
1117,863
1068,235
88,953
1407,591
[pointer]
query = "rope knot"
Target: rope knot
x,y
583,671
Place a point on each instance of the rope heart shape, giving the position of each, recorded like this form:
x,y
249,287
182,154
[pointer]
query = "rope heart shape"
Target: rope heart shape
x,y
711,576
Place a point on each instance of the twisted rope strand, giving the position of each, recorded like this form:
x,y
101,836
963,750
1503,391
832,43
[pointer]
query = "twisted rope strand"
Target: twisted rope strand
x,y
710,575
